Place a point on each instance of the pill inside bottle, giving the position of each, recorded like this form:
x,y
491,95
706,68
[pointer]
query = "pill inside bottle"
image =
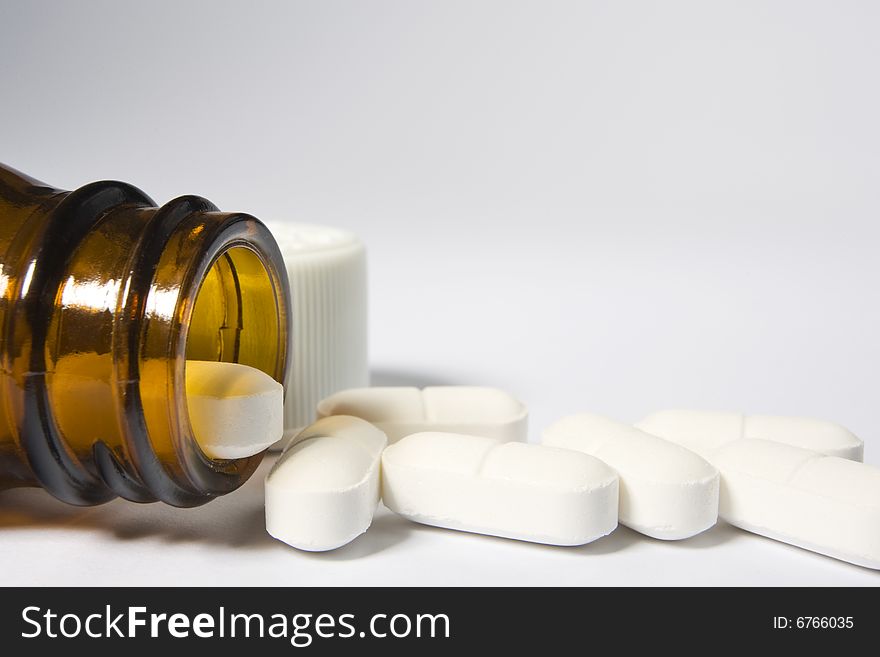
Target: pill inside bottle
x,y
235,410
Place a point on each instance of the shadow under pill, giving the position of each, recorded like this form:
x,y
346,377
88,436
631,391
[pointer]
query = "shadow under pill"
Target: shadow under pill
x,y
624,537
717,535
619,540
802,552
386,532
381,377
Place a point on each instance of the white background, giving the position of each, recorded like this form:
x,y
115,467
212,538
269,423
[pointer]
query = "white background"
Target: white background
x,y
606,206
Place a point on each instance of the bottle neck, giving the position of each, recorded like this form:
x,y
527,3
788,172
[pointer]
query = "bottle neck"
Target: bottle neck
x,y
110,295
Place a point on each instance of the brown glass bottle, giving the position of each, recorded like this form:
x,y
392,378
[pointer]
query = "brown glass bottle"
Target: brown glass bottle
x,y
103,297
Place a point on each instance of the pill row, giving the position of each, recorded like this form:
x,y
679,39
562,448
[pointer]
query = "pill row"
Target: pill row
x,y
456,459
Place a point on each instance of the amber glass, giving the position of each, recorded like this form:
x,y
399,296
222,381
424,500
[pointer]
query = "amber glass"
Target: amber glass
x,y
103,297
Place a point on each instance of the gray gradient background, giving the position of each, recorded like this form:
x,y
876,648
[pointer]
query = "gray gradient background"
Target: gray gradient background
x,y
607,206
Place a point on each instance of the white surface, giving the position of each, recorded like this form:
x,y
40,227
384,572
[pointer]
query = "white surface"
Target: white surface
x,y
705,431
234,410
616,206
401,411
822,503
506,489
323,491
327,271
666,491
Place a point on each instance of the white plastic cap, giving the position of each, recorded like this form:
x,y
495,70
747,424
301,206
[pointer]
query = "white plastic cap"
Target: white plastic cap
x,y
327,268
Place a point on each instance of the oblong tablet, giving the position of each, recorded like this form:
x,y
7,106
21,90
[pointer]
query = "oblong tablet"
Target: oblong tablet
x,y
322,492
702,431
235,411
821,503
666,491
399,412
509,489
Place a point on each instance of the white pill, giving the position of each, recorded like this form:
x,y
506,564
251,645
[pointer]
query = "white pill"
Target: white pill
x,y
666,491
821,503
702,431
509,489
235,411
323,491
399,412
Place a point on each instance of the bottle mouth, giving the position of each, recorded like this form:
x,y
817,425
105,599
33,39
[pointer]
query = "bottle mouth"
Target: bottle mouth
x,y
234,317
235,309
228,300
